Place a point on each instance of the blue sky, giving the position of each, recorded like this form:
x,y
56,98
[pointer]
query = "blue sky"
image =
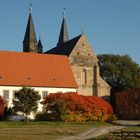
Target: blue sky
x,y
111,26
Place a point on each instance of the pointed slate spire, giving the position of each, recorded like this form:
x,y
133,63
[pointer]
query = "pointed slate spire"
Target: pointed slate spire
x,y
30,42
63,37
40,47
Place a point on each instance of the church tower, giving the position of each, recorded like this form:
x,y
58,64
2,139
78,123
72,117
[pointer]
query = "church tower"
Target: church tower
x,y
30,43
63,36
83,61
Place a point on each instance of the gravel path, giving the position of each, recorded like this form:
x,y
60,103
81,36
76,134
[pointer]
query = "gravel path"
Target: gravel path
x,y
93,132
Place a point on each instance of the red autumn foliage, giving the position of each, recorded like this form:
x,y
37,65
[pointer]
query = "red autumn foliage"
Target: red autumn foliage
x,y
83,107
2,105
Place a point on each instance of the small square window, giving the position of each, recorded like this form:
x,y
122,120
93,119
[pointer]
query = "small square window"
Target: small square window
x,y
44,94
6,94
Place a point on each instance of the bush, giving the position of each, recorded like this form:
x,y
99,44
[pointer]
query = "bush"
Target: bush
x,y
41,116
112,117
45,116
72,107
7,113
2,106
79,118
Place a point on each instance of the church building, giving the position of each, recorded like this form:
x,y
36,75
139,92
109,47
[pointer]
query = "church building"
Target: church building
x,y
83,60
71,66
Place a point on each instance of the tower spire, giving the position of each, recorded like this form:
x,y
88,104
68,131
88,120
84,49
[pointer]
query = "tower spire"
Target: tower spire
x,y
40,46
30,42
63,36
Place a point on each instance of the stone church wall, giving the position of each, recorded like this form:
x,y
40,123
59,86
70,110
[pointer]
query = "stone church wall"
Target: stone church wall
x,y
84,64
84,79
103,89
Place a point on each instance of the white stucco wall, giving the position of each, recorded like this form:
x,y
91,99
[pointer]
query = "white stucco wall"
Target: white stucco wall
x,y
40,90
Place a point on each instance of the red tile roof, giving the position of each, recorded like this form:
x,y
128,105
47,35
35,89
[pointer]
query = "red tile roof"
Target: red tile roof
x,y
35,70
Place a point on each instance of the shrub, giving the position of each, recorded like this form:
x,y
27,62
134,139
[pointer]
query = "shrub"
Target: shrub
x,y
72,107
112,117
7,113
2,106
78,118
42,116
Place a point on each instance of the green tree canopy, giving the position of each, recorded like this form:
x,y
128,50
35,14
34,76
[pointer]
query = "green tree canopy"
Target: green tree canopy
x,y
119,71
26,101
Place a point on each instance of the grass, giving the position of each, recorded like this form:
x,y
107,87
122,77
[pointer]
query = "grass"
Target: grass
x,y
45,123
50,130
43,130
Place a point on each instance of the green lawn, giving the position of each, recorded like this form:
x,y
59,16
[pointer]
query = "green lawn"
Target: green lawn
x,y
43,130
48,130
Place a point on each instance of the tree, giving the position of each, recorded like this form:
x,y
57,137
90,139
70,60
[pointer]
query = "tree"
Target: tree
x,y
119,71
26,101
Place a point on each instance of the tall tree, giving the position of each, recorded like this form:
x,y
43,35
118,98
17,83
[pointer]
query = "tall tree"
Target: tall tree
x,y
26,101
119,71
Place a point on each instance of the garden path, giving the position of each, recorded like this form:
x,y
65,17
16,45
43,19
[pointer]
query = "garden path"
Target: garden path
x,y
97,131
93,132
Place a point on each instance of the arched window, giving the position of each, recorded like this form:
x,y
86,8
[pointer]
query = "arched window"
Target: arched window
x,y
83,77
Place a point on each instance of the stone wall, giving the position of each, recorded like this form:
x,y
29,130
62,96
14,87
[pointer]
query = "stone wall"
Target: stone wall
x,y
84,79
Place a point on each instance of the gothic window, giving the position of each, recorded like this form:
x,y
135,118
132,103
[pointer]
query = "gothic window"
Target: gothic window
x,y
83,77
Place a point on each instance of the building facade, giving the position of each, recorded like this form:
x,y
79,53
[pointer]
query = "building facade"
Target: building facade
x,y
71,66
44,73
83,62
8,94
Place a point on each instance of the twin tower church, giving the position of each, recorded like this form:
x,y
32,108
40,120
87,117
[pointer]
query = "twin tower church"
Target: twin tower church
x,y
83,60
71,66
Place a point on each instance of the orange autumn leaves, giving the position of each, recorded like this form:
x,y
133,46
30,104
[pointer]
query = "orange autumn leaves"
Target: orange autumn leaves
x,y
72,107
